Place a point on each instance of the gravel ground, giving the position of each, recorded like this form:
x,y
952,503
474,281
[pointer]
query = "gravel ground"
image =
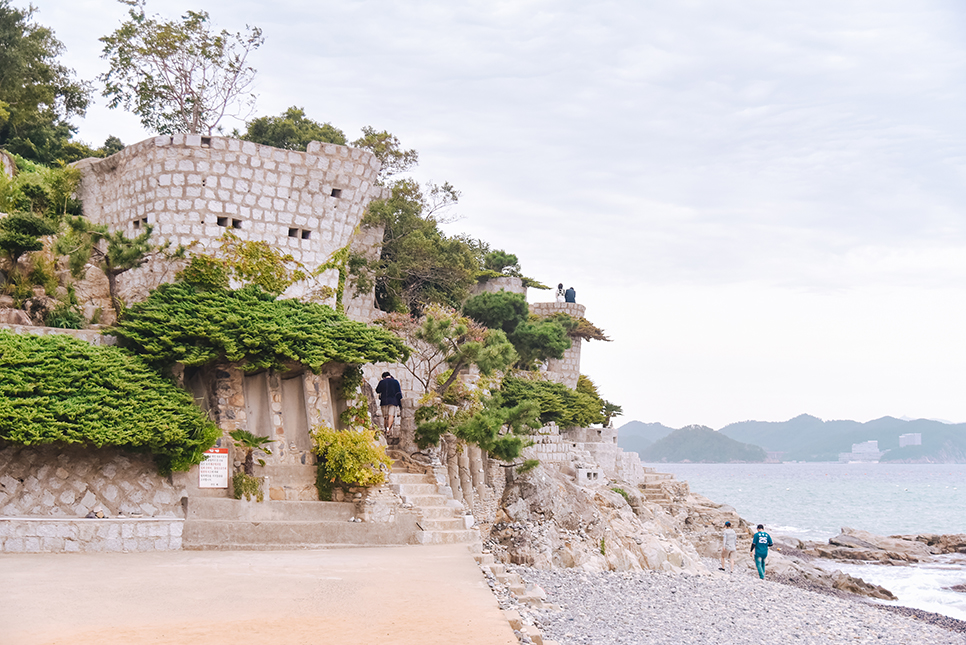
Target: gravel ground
x,y
656,609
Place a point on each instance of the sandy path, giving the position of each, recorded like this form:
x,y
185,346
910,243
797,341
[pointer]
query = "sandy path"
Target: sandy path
x,y
425,595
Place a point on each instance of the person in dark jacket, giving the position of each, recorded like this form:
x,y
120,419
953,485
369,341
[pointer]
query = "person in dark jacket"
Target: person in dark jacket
x,y
390,399
570,295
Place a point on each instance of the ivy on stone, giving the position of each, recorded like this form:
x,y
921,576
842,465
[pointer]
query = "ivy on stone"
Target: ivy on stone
x,y
57,389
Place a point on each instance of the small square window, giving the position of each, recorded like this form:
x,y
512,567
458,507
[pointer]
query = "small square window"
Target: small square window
x,y
293,232
137,223
305,234
206,141
236,223
337,192
223,221
144,221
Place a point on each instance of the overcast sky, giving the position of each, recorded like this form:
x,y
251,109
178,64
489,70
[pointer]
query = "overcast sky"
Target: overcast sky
x,y
761,202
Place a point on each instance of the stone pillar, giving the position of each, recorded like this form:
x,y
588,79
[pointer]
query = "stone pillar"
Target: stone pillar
x,y
452,467
476,470
466,477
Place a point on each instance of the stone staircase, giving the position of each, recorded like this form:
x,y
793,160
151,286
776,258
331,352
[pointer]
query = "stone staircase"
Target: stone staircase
x,y
229,524
439,519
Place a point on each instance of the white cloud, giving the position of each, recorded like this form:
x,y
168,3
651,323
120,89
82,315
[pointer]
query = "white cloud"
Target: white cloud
x,y
764,182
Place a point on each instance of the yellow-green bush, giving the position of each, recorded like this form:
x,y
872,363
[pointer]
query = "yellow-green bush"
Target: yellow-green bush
x,y
350,458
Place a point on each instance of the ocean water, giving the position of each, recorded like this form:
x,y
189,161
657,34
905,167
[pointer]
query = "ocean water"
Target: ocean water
x,y
814,501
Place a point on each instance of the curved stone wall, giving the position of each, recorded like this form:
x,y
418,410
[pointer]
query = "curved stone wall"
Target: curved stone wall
x,y
192,189
567,369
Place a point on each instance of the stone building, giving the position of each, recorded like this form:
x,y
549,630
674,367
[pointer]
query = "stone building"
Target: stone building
x,y
191,190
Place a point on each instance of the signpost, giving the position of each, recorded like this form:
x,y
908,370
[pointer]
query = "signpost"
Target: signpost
x,y
213,469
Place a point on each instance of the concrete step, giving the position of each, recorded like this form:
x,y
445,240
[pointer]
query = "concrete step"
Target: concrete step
x,y
485,559
497,568
227,535
442,524
410,478
415,489
425,500
435,512
223,508
447,537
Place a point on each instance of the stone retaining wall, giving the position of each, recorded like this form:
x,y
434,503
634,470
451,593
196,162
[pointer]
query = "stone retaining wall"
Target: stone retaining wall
x,y
42,535
71,481
92,336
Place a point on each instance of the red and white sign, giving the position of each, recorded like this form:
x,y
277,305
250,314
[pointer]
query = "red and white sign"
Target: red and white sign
x,y
213,469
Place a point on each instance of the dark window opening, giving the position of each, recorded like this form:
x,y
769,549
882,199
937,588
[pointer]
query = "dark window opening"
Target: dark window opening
x,y
306,234
337,192
144,221
222,221
236,223
137,223
206,141
293,232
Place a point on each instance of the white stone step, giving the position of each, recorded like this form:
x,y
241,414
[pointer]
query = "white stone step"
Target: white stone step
x,y
447,537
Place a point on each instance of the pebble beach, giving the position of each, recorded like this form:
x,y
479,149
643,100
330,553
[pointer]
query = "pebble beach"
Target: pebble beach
x,y
602,608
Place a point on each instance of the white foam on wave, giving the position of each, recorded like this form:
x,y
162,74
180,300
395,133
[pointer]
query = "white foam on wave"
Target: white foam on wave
x,y
918,586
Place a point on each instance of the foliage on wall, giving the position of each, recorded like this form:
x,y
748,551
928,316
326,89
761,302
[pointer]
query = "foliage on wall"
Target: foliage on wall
x,y
351,458
557,403
57,389
182,323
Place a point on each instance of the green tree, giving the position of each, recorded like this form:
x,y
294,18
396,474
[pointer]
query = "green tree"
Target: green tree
x,y
418,263
290,131
502,262
178,76
251,442
533,340
201,326
37,93
20,233
388,149
123,254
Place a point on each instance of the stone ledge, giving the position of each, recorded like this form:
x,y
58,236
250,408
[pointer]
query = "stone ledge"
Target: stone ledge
x,y
83,535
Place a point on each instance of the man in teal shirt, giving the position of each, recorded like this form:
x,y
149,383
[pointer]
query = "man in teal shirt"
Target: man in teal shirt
x,y
760,542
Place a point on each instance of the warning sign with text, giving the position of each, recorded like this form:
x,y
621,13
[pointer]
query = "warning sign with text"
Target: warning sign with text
x,y
213,469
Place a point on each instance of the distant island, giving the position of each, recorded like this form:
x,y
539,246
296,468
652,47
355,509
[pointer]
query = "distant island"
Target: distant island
x,y
803,438
701,444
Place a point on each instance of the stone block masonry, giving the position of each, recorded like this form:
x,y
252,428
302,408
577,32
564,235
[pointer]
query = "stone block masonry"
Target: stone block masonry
x,y
71,481
567,369
192,189
49,535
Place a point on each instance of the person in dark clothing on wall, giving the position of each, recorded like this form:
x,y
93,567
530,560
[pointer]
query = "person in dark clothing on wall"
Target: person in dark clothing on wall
x,y
570,295
390,399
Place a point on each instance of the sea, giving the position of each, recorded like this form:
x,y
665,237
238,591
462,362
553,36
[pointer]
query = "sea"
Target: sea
x,y
813,501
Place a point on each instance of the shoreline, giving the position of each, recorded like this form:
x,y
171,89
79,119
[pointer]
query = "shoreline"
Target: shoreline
x,y
660,608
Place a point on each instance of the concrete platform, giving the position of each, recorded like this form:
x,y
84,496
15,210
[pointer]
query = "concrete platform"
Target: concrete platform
x,y
389,595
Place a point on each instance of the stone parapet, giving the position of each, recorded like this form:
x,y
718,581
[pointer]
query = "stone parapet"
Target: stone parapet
x,y
63,535
544,309
506,283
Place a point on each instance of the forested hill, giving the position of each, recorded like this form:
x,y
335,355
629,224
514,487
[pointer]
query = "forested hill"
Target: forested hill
x,y
701,444
808,438
636,436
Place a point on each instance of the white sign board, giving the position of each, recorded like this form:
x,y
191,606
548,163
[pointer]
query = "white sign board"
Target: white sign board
x,y
213,469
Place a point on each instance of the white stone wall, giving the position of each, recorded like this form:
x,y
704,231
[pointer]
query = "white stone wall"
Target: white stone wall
x,y
494,285
192,189
92,336
71,481
42,535
567,369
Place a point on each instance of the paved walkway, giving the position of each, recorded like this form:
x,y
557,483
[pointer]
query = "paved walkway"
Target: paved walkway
x,y
419,594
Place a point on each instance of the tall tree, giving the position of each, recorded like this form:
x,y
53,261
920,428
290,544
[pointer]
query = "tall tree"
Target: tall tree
x,y
178,76
290,131
388,150
418,264
37,93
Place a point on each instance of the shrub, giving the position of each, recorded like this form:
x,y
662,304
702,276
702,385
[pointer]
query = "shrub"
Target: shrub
x,y
351,458
57,389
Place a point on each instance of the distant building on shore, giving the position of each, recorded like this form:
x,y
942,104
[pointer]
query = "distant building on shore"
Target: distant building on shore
x,y
910,439
867,451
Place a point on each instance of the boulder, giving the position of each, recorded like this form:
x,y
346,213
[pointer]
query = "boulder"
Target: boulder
x,y
951,543
9,316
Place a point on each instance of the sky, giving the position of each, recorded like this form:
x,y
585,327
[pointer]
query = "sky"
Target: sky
x,y
761,203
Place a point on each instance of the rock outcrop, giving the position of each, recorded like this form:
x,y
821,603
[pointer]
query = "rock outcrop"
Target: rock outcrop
x,y
546,520
854,544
